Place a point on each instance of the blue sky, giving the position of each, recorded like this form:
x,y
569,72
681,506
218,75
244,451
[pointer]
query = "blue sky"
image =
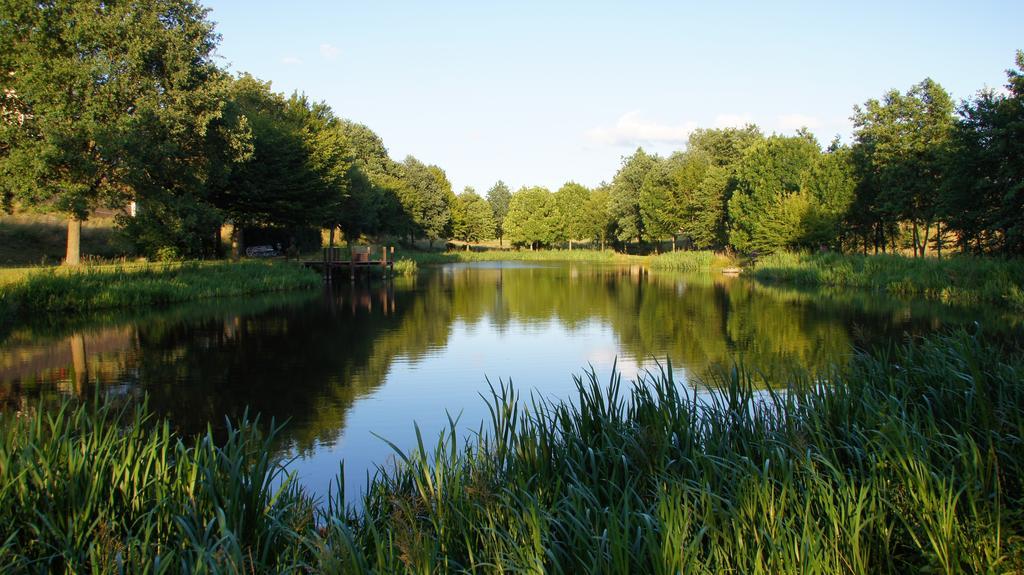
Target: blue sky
x,y
538,93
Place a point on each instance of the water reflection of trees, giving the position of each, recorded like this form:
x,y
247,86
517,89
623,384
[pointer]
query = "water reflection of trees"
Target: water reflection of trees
x,y
309,358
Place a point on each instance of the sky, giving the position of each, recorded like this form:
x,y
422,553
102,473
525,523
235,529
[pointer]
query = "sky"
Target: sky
x,y
540,93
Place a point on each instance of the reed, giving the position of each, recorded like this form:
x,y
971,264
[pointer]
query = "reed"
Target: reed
x,y
406,267
689,261
958,279
909,460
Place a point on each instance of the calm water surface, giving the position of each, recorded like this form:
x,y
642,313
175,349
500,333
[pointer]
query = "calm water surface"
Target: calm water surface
x,y
375,357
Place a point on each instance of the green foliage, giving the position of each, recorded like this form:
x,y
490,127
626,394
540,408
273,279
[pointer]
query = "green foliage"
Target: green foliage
x,y
599,223
472,219
983,198
426,196
625,196
830,184
100,287
724,146
498,197
533,218
767,208
571,200
115,102
901,145
659,202
704,215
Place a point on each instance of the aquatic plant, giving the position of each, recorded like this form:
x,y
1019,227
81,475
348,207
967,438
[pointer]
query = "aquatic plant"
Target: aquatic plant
x,y
908,460
957,279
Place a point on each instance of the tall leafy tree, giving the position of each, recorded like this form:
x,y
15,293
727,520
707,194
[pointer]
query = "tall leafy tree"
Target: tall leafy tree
x,y
902,140
104,90
625,195
659,202
599,224
767,207
704,215
533,219
571,199
831,184
373,205
472,220
983,195
724,146
426,196
498,197
292,180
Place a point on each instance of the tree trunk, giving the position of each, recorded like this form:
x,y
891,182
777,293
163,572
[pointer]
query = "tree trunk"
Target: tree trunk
x,y
330,236
467,246
570,245
924,240
938,239
74,251
237,241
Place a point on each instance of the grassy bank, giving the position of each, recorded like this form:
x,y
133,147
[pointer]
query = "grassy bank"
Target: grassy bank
x,y
909,461
41,290
960,279
36,239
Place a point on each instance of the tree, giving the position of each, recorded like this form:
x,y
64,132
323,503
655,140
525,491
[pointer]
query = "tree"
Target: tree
x,y
426,196
571,199
724,146
831,184
659,205
983,193
472,219
625,195
765,208
101,85
705,214
498,197
373,205
598,223
533,218
902,141
296,177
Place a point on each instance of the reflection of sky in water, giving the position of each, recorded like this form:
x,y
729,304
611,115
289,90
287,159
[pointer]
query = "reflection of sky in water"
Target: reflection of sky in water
x,y
537,357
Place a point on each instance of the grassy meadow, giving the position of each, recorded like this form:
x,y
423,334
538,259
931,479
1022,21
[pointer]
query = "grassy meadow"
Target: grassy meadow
x,y
907,461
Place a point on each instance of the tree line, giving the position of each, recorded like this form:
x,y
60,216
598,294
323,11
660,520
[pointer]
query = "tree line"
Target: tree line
x,y
105,104
921,174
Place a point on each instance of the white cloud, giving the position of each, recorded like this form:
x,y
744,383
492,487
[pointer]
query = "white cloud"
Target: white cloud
x,y
732,120
329,52
631,129
291,61
788,122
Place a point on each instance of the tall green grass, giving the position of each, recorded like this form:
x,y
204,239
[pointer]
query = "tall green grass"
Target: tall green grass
x,y
958,279
103,287
689,261
908,461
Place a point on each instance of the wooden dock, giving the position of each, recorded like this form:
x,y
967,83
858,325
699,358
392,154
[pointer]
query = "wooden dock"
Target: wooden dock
x,y
356,259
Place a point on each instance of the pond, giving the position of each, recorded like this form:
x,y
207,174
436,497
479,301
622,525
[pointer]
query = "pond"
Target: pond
x,y
363,361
